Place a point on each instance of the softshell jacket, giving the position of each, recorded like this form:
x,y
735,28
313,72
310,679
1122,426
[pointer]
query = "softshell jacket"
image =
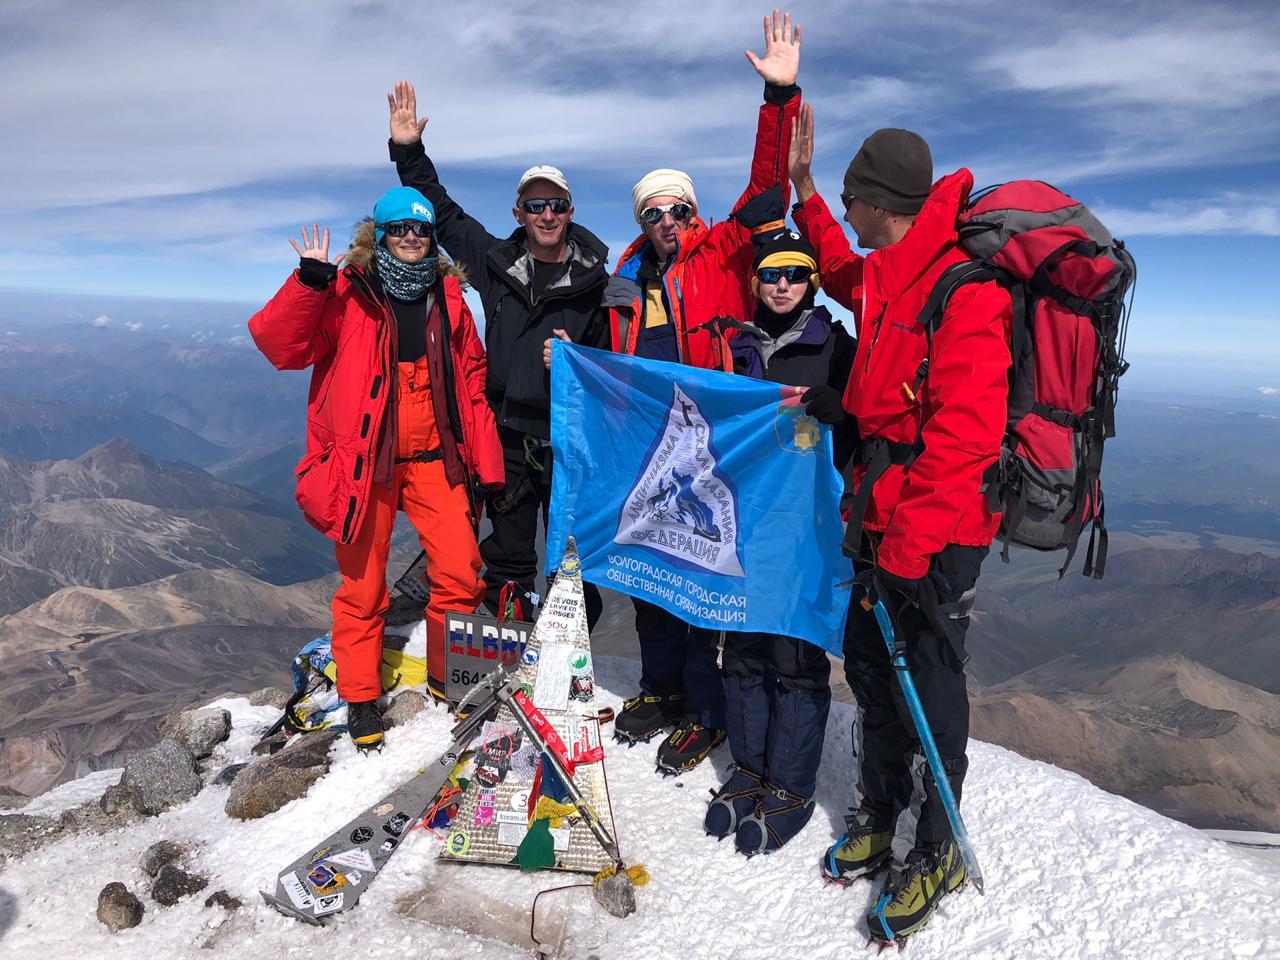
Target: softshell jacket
x,y
347,334
516,325
958,418
710,274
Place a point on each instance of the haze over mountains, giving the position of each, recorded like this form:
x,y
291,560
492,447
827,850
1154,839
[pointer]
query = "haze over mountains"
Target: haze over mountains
x,y
142,573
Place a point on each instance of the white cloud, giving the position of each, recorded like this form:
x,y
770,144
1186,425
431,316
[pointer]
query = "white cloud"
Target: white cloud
x,y
1232,214
101,320
1269,391
1192,65
134,327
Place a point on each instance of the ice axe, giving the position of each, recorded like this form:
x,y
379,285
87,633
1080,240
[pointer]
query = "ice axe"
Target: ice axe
x,y
898,658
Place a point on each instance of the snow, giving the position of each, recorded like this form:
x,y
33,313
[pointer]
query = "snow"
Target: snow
x,y
1071,873
72,793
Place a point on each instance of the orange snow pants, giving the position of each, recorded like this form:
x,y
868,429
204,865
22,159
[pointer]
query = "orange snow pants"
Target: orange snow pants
x,y
441,514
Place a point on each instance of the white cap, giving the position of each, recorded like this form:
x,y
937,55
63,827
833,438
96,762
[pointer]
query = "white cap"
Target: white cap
x,y
546,172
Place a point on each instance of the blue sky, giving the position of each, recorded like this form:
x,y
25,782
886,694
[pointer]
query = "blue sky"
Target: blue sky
x,y
171,150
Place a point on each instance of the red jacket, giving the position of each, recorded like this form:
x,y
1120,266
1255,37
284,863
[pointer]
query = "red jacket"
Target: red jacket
x,y
711,273
348,338
960,413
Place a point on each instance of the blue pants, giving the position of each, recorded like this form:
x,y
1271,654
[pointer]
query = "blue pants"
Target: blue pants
x,y
777,699
678,658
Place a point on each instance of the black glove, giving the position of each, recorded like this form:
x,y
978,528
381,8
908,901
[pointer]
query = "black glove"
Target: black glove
x,y
895,591
824,404
483,492
316,274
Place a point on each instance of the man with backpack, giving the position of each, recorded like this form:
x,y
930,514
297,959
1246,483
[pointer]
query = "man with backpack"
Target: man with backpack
x,y
545,278
931,412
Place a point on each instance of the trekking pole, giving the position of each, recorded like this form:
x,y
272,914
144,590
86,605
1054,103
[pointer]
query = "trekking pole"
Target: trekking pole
x,y
898,658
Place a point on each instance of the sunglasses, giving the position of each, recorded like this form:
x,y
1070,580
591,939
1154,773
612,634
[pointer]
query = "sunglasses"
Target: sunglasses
x,y
794,274
557,204
847,199
398,228
653,215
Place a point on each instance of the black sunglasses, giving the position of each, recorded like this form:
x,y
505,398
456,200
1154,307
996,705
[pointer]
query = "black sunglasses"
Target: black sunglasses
x,y
653,215
557,204
398,228
794,274
847,199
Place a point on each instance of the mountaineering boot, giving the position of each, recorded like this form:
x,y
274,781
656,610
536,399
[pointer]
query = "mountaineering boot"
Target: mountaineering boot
x,y
863,849
687,746
913,892
364,724
646,714
779,815
735,800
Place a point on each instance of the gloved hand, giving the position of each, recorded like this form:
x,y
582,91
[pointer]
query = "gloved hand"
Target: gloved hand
x,y
824,404
484,491
896,592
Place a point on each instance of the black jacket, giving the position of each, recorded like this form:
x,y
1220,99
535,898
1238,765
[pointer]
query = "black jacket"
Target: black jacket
x,y
516,327
816,350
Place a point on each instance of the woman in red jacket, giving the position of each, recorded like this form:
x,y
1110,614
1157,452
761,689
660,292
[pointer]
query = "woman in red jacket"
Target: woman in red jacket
x,y
396,419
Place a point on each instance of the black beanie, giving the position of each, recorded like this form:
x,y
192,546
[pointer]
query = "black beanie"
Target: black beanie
x,y
893,171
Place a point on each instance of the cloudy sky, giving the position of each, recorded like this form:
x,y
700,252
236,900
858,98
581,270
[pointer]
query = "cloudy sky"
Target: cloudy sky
x,y
171,149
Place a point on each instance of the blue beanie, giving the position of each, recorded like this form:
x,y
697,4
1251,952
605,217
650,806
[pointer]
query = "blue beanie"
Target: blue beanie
x,y
401,203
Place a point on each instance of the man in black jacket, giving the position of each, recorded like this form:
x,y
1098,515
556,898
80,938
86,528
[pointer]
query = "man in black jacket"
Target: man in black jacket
x,y
545,280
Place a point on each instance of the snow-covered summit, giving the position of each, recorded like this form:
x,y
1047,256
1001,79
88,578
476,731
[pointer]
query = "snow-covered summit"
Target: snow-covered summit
x,y
1071,872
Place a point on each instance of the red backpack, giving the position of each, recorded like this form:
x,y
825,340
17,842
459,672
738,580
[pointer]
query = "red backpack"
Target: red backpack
x,y
1068,278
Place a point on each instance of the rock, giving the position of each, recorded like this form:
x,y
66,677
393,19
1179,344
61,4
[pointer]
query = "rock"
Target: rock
x,y
90,817
197,730
225,900
269,697
160,777
404,707
118,908
267,785
173,883
269,745
11,799
115,798
20,833
228,773
617,894
162,853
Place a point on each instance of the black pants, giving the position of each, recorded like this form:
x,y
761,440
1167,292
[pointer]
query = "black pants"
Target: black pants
x,y
892,779
510,551
678,658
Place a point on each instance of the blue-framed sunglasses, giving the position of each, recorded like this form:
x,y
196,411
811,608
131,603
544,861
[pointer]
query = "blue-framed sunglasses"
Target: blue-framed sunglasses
x,y
794,274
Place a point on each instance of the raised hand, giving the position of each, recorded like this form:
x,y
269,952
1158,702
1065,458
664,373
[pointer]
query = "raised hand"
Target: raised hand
x,y
800,156
406,128
314,246
781,61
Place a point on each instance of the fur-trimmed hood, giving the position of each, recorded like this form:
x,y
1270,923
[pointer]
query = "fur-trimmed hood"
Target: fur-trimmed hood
x,y
360,253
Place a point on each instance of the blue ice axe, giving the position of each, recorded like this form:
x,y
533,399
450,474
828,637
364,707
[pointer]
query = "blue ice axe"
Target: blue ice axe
x,y
899,660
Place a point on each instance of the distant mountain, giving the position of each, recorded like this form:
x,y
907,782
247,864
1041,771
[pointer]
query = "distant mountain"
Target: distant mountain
x,y
230,395
1164,731
87,671
267,470
116,517
60,431
1214,606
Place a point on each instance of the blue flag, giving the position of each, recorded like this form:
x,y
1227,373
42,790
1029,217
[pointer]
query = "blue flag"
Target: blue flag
x,y
710,495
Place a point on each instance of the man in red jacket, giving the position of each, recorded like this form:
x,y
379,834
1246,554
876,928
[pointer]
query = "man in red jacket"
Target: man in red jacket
x,y
931,413
670,285
397,419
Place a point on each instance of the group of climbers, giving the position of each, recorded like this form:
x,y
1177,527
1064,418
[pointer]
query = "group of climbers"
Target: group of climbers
x,y
407,410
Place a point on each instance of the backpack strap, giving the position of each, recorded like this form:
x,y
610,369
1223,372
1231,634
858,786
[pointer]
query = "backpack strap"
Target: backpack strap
x,y
879,455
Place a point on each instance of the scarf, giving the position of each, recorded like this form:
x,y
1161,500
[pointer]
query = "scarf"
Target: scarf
x,y
405,281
